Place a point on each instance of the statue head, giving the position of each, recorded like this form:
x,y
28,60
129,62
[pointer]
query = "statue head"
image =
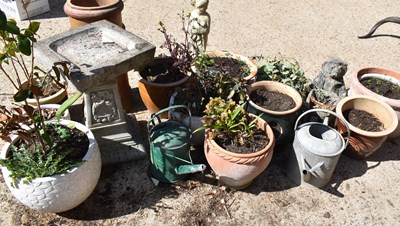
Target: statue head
x,y
334,68
200,4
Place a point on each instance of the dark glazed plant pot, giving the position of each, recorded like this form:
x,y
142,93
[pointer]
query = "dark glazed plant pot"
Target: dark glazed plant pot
x,y
281,121
358,89
82,12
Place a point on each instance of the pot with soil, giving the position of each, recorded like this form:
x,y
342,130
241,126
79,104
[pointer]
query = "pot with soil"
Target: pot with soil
x,y
279,105
370,120
238,146
64,191
380,83
51,92
157,82
224,74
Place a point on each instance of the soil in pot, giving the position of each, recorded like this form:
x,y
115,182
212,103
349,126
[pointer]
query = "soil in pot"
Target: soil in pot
x,y
259,142
272,100
382,87
231,66
77,143
162,72
363,120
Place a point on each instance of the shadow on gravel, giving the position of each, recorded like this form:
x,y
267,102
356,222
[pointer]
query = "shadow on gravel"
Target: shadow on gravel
x,y
122,189
56,10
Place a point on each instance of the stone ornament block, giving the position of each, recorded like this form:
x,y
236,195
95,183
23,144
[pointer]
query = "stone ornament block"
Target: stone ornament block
x,y
14,8
61,192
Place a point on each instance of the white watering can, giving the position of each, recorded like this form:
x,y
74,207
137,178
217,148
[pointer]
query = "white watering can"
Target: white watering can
x,y
316,151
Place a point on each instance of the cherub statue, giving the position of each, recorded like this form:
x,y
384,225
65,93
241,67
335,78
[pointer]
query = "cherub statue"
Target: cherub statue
x,y
199,26
330,79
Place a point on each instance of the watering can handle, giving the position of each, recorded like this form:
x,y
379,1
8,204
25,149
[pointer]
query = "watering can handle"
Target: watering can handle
x,y
155,115
329,112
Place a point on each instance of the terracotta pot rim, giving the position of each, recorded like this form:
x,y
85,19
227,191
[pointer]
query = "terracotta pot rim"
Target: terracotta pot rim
x,y
62,92
268,148
297,98
86,8
382,133
356,80
250,63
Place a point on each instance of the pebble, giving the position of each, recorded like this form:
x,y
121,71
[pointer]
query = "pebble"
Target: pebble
x,y
24,219
327,215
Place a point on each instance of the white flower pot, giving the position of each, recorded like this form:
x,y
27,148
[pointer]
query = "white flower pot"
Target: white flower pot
x,y
60,192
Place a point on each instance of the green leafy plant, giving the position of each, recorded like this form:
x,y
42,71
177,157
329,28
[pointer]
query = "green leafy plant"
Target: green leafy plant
x,y
226,118
222,77
284,70
35,144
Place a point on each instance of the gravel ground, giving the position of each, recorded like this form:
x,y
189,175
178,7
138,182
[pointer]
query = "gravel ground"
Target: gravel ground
x,y
360,192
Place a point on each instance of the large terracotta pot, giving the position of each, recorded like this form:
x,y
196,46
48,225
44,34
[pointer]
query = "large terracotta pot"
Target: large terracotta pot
x,y
58,98
363,143
88,11
239,170
357,88
281,121
60,192
156,96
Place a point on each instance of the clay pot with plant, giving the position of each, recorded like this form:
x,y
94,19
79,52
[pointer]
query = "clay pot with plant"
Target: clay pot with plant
x,y
158,81
238,146
370,120
52,166
217,74
279,105
380,83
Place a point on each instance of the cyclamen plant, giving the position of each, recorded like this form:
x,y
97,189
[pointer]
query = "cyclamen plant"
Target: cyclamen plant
x,y
227,118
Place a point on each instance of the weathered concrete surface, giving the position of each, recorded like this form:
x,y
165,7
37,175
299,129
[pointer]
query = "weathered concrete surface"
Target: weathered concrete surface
x,y
361,192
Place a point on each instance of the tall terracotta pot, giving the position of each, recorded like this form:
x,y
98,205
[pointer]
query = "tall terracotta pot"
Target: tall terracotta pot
x,y
82,12
363,144
239,170
357,88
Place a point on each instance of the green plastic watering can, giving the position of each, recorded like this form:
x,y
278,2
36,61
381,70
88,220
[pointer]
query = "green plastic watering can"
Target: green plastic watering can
x,y
170,148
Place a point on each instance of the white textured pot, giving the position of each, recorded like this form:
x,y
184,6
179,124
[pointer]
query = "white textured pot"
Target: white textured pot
x,y
60,192
66,115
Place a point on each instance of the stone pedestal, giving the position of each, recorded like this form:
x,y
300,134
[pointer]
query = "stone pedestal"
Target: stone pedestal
x,y
99,53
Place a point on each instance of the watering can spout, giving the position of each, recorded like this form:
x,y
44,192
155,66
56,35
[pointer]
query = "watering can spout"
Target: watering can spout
x,y
186,169
306,176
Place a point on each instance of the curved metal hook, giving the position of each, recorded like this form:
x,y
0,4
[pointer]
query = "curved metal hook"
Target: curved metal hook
x,y
392,19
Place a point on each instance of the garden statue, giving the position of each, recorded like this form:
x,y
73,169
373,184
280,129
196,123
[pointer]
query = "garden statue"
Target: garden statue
x,y
199,26
330,79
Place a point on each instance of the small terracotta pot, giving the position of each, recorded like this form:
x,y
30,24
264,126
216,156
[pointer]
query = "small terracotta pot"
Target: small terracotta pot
x,y
250,63
357,88
282,121
57,98
156,96
363,143
88,11
239,170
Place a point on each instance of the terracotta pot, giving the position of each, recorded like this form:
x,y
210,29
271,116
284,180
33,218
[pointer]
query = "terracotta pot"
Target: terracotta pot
x,y
357,88
84,12
61,192
239,170
57,98
363,143
156,96
281,121
250,63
